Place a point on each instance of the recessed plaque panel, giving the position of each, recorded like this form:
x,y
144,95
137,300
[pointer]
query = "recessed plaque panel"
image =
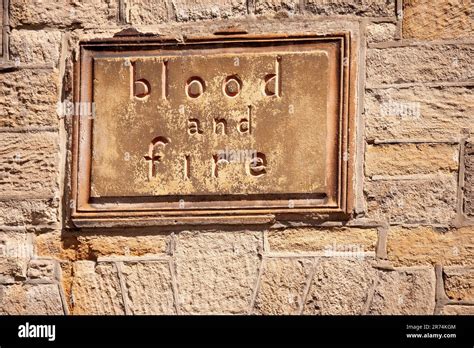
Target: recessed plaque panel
x,y
212,130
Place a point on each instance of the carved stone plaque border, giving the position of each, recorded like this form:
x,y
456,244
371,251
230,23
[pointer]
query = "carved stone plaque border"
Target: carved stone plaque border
x,y
88,210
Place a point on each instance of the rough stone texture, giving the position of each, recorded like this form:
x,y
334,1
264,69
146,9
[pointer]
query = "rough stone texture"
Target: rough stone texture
x,y
191,10
28,98
217,271
29,212
16,248
282,285
267,7
423,19
405,292
56,245
35,47
469,179
458,310
39,299
28,165
42,270
459,283
147,11
429,199
443,112
303,240
406,159
420,64
380,32
96,289
340,287
131,245
423,245
64,13
372,8
149,289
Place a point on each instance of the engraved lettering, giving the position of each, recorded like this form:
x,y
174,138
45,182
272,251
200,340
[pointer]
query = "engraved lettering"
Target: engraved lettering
x,y
272,86
220,126
195,87
257,166
140,88
218,160
194,126
232,86
155,155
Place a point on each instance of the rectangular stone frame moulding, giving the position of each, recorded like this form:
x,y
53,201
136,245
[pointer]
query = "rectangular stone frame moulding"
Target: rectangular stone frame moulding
x,y
147,155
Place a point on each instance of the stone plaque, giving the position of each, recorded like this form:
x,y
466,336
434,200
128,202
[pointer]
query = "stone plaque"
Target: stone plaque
x,y
217,130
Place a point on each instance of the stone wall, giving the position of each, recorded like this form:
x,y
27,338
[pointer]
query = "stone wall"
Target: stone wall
x,y
409,248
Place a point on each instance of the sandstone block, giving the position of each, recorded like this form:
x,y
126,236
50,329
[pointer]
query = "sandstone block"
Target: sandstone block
x,y
418,113
44,270
406,159
28,165
217,271
96,289
423,245
148,11
340,287
39,299
425,200
459,283
35,47
447,19
28,98
380,32
191,10
29,212
148,286
268,7
431,63
301,240
282,285
373,8
64,13
405,292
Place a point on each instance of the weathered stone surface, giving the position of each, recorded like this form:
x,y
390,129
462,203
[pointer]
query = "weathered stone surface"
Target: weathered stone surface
x,y
373,8
423,19
189,10
282,285
28,165
423,245
96,289
64,13
38,299
28,98
458,310
148,11
443,112
127,245
469,179
459,283
16,248
29,212
340,286
35,47
420,64
217,271
405,292
56,245
430,199
267,7
148,286
380,32
406,159
301,240
43,270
